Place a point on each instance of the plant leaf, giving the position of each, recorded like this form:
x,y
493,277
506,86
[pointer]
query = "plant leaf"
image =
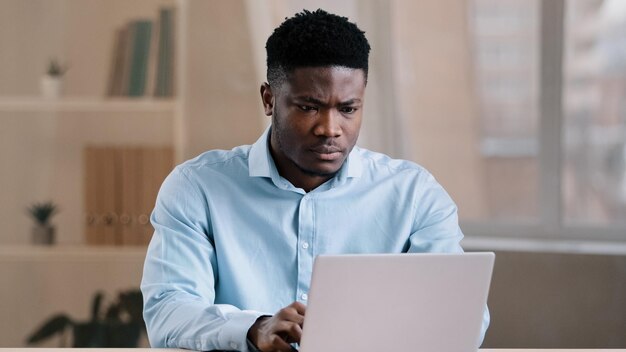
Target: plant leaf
x,y
56,324
95,306
113,313
42,212
90,334
132,302
123,334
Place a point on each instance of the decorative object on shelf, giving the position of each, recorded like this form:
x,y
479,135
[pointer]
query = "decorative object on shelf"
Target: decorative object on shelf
x,y
142,61
43,231
52,81
121,325
121,186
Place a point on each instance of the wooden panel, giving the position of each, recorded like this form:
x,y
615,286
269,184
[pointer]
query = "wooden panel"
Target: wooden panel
x,y
122,184
549,300
90,159
108,190
131,195
148,194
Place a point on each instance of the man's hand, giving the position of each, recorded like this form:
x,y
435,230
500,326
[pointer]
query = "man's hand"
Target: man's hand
x,y
277,332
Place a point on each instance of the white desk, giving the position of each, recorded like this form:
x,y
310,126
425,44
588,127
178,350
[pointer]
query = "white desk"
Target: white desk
x,y
179,350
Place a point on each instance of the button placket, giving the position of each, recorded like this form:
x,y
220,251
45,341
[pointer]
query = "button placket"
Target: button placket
x,y
306,228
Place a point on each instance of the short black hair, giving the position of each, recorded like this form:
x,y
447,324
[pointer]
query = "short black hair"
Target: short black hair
x,y
315,39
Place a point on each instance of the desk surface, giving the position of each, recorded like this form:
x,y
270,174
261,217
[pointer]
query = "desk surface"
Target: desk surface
x,y
178,350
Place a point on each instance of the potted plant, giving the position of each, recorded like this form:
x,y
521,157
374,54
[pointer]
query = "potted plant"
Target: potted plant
x,y
121,325
52,81
43,231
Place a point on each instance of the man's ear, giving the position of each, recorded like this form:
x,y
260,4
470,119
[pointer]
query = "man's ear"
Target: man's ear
x,y
267,97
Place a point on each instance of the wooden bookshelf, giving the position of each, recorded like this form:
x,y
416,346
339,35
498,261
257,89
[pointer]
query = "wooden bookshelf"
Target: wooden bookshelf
x,y
35,104
67,253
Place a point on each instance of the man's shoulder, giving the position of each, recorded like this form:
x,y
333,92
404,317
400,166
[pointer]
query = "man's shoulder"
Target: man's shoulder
x,y
376,162
217,160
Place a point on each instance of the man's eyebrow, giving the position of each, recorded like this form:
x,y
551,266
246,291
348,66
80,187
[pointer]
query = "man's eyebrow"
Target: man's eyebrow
x,y
350,102
310,99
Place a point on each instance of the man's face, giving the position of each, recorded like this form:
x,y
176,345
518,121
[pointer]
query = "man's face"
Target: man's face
x,y
316,118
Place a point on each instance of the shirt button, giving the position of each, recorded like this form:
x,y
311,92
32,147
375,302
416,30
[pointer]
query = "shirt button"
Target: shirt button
x,y
304,296
305,245
233,345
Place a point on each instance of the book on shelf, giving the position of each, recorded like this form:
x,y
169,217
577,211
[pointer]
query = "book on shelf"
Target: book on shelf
x,y
92,228
142,30
131,195
142,62
116,84
156,164
109,196
122,184
151,67
165,65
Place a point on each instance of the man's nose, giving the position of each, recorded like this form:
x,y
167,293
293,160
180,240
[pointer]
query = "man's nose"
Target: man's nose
x,y
328,124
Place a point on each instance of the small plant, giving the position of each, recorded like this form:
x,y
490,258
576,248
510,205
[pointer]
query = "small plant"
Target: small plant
x,y
56,69
121,325
42,212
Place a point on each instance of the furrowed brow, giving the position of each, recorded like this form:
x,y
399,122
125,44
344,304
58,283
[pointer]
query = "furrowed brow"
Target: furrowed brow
x,y
310,99
350,102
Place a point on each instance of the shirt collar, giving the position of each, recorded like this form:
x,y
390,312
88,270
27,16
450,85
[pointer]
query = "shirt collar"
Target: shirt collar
x,y
261,164
260,160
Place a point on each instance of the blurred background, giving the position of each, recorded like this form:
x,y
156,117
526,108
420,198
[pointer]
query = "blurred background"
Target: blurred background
x,y
518,107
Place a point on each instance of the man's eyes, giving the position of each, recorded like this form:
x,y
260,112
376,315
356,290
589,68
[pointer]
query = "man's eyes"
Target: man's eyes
x,y
345,109
348,110
307,108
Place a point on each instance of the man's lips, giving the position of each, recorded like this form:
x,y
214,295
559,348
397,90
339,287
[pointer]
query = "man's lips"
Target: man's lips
x,y
327,153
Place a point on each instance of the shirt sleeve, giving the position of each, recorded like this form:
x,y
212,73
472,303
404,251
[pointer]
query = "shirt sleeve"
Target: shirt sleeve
x,y
436,228
180,273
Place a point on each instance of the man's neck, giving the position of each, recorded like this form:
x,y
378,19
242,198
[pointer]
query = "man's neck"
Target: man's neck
x,y
300,178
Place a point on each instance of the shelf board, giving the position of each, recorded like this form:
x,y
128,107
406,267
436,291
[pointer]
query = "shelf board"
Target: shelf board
x,y
13,253
35,104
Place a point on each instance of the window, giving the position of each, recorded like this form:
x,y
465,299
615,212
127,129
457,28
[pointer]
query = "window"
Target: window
x,y
594,113
504,36
551,92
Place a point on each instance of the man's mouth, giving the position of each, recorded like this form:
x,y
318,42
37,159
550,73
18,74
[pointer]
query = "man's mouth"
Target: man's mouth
x,y
327,152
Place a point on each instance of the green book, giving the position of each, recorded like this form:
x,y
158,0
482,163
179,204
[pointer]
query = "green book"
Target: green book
x,y
139,57
164,82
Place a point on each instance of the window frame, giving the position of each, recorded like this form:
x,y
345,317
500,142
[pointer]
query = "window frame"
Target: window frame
x,y
549,230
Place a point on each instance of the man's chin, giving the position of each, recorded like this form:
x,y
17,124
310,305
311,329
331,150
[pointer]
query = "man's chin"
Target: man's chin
x,y
324,170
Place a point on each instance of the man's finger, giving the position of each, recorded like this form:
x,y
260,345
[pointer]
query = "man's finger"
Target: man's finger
x,y
288,314
278,344
299,307
293,312
291,330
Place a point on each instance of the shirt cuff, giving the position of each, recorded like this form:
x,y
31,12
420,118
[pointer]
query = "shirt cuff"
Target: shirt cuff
x,y
252,347
234,333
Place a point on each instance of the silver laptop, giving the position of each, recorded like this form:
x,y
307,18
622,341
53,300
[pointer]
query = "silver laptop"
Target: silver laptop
x,y
397,302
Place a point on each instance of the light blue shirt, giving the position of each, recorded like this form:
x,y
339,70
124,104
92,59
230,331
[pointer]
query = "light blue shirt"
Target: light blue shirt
x,y
234,240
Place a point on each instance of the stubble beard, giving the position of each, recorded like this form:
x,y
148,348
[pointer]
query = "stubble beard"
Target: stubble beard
x,y
277,129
